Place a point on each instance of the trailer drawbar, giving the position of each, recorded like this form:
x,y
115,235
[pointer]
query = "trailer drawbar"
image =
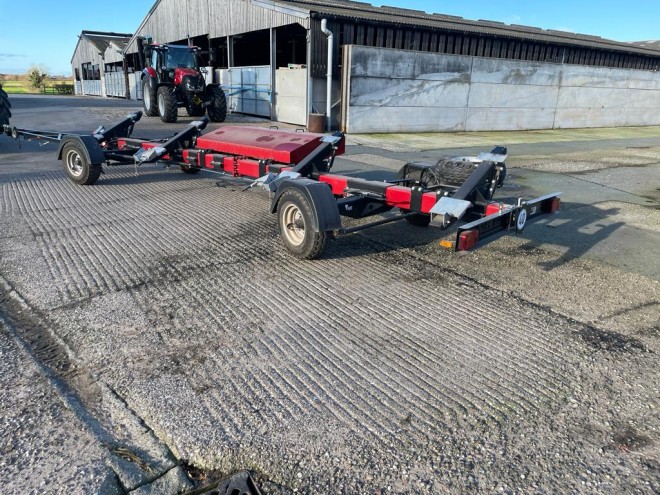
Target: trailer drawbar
x,y
307,198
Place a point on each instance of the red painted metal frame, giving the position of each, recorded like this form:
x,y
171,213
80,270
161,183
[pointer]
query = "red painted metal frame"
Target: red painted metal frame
x,y
237,151
265,144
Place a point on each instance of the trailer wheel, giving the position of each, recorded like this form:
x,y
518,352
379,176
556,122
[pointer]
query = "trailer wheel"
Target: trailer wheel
x,y
294,216
149,99
77,165
218,107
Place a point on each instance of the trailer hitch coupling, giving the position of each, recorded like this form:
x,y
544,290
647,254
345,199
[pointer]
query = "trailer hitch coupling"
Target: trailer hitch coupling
x,y
454,207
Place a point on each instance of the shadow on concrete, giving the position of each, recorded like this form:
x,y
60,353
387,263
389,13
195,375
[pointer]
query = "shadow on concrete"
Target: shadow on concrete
x,y
575,230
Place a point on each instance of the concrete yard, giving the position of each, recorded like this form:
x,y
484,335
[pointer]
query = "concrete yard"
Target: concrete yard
x,y
156,336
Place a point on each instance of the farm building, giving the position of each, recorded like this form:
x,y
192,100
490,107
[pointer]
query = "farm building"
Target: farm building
x,y
97,64
398,70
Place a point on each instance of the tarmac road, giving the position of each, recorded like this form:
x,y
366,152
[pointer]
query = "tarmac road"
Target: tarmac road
x,y
154,323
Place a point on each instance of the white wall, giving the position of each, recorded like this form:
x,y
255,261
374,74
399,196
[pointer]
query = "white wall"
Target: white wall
x,y
402,91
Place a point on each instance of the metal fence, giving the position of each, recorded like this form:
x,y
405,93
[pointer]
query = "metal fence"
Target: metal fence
x,y
248,89
115,84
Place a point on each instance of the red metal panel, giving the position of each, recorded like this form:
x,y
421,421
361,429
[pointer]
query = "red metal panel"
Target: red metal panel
x,y
428,201
338,183
398,196
147,146
256,142
241,167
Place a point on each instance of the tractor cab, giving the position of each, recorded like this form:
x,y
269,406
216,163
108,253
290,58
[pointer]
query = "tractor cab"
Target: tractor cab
x,y
171,57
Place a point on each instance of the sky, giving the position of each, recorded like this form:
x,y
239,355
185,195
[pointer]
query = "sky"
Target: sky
x,y
45,32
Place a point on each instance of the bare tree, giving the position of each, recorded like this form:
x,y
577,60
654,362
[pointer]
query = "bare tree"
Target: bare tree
x,y
36,76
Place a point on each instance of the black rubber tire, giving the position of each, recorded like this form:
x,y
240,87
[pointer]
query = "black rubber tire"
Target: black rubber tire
x,y
149,103
195,111
77,165
189,170
5,106
294,218
450,172
218,108
167,108
447,172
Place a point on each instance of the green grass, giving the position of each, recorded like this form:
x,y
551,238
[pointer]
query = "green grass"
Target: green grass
x,y
22,86
17,86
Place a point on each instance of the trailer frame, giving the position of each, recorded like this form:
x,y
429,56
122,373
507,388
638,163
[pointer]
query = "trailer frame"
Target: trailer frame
x,y
308,199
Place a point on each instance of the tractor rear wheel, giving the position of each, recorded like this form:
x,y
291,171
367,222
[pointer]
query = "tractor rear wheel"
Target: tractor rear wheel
x,y
77,165
149,99
5,106
167,107
218,107
294,217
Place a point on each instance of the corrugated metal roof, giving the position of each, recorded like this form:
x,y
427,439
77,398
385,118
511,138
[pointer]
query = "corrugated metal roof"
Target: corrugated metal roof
x,y
102,40
394,15
652,44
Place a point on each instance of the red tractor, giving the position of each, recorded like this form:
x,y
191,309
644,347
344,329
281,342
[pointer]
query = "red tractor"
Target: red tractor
x,y
172,78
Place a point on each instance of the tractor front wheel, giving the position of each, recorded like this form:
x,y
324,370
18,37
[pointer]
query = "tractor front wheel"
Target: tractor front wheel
x,y
149,99
167,107
294,216
218,104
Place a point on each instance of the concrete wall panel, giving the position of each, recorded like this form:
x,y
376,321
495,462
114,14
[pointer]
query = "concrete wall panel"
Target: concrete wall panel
x,y
512,96
499,71
406,91
390,64
429,66
642,79
509,119
595,77
573,97
406,119
567,118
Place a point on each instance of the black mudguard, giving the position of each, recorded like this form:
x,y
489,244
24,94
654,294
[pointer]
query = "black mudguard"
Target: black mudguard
x,y
93,149
319,195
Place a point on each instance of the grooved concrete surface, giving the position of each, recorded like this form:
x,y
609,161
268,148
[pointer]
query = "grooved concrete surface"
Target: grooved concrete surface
x,y
386,366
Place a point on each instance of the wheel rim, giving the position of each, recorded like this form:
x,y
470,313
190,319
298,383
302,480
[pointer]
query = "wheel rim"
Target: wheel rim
x,y
74,163
293,224
521,220
161,104
147,98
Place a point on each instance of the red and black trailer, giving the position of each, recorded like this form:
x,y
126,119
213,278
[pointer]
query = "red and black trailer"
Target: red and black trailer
x,y
309,200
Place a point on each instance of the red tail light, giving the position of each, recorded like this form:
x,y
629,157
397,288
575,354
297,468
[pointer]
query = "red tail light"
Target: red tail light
x,y
467,240
552,205
492,208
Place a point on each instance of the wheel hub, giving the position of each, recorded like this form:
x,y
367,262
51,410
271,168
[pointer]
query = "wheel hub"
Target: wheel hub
x,y
294,223
74,163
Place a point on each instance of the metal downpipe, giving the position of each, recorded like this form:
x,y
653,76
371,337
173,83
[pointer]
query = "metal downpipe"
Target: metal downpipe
x,y
328,94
